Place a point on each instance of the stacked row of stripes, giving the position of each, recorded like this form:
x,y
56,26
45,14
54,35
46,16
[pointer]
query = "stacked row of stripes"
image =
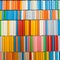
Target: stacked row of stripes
x,y
29,29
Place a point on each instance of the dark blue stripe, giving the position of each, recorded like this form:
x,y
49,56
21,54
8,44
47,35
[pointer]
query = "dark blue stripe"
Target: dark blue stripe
x,y
22,55
26,43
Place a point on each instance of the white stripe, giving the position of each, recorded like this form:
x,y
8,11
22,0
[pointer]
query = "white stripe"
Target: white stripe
x,y
11,28
14,28
41,27
33,5
43,5
55,27
24,5
59,43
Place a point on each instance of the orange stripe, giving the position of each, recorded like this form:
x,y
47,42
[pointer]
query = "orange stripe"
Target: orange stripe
x,y
20,5
8,5
22,44
53,14
45,15
15,56
4,5
24,15
37,14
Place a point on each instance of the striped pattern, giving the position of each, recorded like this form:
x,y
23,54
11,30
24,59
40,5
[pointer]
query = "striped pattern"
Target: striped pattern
x,y
29,27
30,15
29,43
30,5
30,56
30,30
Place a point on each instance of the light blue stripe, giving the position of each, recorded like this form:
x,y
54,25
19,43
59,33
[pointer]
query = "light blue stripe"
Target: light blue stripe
x,y
38,5
56,55
51,56
58,27
28,4
0,5
47,5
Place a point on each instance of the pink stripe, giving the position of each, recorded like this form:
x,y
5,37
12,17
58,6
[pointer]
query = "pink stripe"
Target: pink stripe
x,y
39,43
0,56
44,27
35,43
28,43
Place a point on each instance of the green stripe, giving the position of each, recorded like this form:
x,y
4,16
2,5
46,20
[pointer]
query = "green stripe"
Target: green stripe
x,y
44,43
44,55
4,14
31,44
3,56
56,4
0,28
58,14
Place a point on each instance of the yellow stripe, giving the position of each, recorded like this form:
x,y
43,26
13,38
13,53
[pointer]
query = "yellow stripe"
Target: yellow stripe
x,y
6,44
3,44
41,55
37,29
26,27
8,27
33,27
0,15
12,43
20,5
41,16
37,56
47,55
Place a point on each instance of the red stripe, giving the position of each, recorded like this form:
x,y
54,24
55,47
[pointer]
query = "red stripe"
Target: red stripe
x,y
29,27
56,43
30,56
23,27
50,43
20,28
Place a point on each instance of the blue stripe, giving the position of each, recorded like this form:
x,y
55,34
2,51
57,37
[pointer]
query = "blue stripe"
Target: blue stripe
x,y
51,56
46,28
47,5
22,55
58,27
50,14
56,56
28,4
53,4
18,43
50,2
26,43
38,5
16,27
0,5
